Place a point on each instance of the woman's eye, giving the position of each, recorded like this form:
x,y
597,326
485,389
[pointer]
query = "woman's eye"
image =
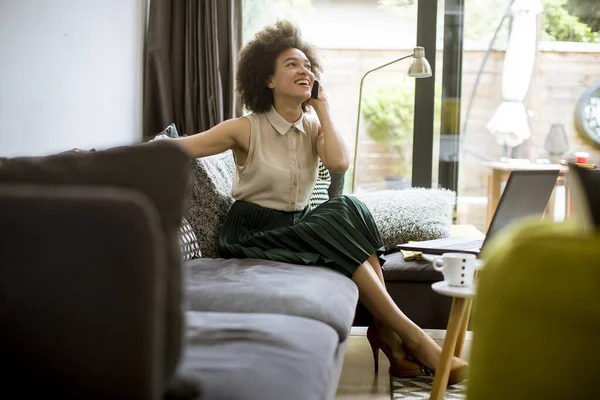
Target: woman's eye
x,y
292,64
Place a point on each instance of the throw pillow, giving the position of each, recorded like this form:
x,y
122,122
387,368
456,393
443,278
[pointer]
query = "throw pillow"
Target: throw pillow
x,y
170,132
411,214
187,238
210,199
188,242
320,192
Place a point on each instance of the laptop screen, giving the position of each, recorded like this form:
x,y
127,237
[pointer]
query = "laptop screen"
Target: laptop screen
x,y
526,194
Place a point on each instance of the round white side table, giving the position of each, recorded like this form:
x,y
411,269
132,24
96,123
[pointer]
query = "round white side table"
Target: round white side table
x,y
455,333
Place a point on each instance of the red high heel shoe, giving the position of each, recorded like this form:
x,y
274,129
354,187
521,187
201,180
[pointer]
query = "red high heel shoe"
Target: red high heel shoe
x,y
399,367
458,373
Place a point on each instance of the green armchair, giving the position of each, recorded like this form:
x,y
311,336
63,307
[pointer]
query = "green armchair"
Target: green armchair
x,y
536,317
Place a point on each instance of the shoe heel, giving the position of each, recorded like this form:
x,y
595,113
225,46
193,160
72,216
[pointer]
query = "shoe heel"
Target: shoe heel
x,y
399,367
374,349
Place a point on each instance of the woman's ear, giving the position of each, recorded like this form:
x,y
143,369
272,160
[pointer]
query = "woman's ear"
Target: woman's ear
x,y
270,83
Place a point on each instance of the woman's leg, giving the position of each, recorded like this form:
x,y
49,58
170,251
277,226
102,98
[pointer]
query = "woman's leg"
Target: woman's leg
x,y
388,336
373,261
376,298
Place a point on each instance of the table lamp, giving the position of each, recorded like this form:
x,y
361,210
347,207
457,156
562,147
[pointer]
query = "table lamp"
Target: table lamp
x,y
419,68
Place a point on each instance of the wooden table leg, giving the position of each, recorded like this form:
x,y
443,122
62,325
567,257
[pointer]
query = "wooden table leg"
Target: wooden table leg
x,y
442,373
460,340
568,200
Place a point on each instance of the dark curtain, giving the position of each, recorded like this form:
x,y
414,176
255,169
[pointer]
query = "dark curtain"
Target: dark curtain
x,y
191,50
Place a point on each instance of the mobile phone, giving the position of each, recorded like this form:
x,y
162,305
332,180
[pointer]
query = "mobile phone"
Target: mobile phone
x,y
315,90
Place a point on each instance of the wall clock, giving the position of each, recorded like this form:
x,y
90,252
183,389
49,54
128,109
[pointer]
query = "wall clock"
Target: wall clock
x,y
587,113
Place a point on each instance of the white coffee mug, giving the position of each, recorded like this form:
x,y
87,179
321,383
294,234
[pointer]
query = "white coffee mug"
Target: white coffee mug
x,y
458,268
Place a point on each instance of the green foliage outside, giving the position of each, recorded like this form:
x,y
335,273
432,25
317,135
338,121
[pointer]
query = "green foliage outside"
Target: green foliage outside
x,y
389,113
560,24
588,12
563,20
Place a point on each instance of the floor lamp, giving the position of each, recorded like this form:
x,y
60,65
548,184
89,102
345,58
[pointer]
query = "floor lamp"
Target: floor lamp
x,y
419,68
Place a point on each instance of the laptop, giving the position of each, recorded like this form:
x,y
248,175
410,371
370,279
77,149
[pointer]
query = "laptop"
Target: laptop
x,y
526,194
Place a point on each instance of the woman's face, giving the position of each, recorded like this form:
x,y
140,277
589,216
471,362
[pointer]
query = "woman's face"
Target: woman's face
x,y
293,76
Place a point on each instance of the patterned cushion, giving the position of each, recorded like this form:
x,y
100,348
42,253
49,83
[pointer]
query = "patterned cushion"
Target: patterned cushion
x,y
320,194
188,242
210,199
210,196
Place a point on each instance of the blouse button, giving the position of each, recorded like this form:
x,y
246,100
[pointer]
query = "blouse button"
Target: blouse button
x,y
293,202
295,184
293,162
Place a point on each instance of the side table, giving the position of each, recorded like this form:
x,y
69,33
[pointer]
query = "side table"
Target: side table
x,y
455,333
499,173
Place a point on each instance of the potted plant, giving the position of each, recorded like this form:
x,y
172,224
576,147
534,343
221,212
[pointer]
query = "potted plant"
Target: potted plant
x,y
389,116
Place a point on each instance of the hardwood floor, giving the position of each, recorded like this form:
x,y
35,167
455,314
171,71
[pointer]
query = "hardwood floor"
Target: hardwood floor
x,y
359,381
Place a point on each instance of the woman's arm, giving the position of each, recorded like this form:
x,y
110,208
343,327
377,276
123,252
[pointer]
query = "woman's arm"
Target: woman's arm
x,y
224,136
330,146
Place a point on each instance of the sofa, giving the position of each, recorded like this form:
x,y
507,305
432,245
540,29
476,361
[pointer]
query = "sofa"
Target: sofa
x,y
97,302
413,214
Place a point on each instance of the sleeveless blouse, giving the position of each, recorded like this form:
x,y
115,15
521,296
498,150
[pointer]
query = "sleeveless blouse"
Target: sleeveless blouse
x,y
282,163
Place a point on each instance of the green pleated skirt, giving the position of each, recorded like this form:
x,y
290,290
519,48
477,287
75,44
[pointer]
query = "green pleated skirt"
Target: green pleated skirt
x,y
339,234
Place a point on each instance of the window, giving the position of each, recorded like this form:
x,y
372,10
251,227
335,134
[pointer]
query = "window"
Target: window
x,y
362,36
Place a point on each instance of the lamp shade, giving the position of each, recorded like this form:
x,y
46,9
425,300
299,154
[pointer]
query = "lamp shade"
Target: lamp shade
x,y
419,67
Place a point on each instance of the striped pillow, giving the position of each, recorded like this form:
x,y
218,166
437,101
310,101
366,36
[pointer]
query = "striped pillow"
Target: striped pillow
x,y
190,248
319,194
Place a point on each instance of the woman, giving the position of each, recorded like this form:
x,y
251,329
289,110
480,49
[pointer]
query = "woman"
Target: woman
x,y
276,150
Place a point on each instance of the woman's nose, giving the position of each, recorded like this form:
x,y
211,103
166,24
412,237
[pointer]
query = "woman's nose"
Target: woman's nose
x,y
308,72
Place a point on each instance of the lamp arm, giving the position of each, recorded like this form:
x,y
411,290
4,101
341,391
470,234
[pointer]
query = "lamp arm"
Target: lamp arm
x,y
358,115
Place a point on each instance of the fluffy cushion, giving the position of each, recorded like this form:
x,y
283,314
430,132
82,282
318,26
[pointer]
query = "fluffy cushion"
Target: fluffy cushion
x,y
210,199
410,214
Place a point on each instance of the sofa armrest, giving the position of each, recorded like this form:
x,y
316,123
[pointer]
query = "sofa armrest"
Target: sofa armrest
x,y
82,283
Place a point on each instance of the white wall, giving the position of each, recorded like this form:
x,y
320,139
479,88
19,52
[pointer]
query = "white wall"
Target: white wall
x,y
71,74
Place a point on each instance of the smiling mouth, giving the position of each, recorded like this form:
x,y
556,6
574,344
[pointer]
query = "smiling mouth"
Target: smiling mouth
x,y
303,82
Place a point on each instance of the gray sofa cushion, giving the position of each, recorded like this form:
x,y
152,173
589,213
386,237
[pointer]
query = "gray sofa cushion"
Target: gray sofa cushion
x,y
158,170
398,269
260,356
262,286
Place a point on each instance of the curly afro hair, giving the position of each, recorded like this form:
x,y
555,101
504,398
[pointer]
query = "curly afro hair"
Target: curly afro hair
x,y
256,63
